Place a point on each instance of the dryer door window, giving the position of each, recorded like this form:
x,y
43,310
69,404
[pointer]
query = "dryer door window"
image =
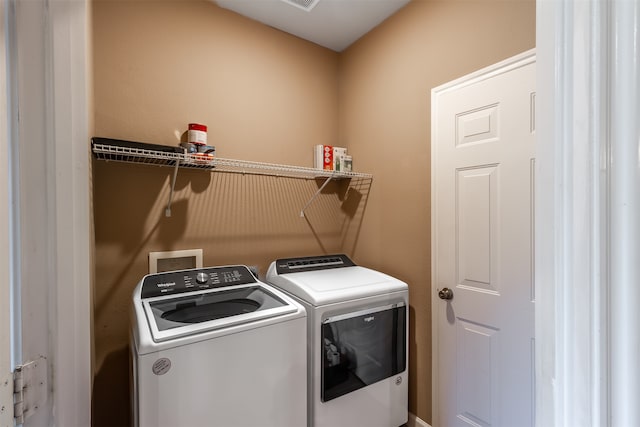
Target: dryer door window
x,y
362,348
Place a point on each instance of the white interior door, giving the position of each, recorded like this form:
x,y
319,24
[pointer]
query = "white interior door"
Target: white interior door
x,y
482,194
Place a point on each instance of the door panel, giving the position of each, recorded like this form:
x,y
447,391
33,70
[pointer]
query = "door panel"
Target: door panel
x,y
476,344
483,155
477,126
476,227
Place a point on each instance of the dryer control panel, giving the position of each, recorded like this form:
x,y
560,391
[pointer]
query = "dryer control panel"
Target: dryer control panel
x,y
312,263
175,282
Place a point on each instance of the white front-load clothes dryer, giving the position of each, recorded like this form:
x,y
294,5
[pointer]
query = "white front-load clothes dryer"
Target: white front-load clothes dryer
x,y
357,321
216,347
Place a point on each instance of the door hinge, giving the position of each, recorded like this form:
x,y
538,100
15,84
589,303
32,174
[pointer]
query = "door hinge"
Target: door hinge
x,y
29,388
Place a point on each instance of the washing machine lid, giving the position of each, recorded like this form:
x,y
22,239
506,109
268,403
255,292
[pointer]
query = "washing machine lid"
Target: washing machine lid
x,y
230,297
338,279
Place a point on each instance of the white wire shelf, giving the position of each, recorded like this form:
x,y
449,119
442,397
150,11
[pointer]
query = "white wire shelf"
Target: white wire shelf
x,y
113,152
175,157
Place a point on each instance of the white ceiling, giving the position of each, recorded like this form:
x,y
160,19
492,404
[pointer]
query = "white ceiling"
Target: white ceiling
x,y
334,24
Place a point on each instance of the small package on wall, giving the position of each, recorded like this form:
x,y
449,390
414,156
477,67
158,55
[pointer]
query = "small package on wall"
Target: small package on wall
x,y
339,154
323,157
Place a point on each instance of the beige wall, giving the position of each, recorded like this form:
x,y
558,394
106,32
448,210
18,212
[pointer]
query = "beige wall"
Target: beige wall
x,y
265,96
385,93
268,96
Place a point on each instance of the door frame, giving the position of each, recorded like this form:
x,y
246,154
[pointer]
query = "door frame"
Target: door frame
x,y
6,393
48,114
587,205
486,73
70,83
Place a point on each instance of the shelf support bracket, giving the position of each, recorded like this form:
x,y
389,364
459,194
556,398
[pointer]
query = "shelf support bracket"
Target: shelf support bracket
x,y
167,212
314,196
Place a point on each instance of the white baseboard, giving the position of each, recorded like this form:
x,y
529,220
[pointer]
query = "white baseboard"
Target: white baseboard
x,y
416,422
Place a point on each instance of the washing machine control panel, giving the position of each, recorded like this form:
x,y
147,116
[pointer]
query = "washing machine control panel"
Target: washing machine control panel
x,y
175,282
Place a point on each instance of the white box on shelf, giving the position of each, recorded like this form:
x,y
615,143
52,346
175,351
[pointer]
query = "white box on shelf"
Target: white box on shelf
x,y
318,157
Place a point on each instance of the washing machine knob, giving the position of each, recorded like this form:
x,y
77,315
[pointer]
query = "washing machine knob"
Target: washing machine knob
x,y
201,277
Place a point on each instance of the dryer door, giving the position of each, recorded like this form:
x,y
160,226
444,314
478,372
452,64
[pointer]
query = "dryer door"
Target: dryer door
x,y
361,348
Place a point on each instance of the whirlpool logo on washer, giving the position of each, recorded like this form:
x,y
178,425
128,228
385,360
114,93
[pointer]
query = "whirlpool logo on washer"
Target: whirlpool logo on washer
x,y
166,285
369,319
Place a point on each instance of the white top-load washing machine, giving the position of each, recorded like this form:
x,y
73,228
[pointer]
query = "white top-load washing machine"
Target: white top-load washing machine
x,y
216,347
357,340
